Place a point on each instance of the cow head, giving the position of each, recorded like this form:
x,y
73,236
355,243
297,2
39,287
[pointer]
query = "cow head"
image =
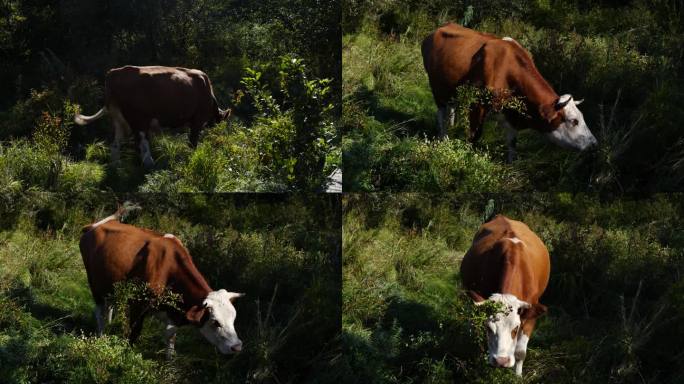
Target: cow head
x,y
504,327
571,132
217,317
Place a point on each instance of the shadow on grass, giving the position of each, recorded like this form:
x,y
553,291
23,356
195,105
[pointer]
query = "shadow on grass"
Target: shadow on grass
x,y
400,124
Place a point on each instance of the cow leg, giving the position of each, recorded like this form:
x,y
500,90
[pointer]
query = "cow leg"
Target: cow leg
x,y
136,318
441,116
116,144
452,115
120,126
511,141
195,128
477,116
521,345
170,334
103,316
511,136
145,153
99,318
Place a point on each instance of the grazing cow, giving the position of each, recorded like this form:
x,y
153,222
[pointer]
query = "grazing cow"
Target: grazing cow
x,y
454,55
507,263
142,99
114,252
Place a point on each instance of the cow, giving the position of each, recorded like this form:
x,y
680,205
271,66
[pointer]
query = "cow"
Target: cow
x,y
454,55
144,99
114,252
507,264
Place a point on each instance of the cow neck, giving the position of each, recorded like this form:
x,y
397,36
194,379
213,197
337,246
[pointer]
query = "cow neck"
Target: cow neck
x,y
511,275
535,89
190,281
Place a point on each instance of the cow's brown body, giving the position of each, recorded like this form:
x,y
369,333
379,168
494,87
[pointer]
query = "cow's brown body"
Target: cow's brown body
x,y
498,263
454,55
114,252
173,96
141,100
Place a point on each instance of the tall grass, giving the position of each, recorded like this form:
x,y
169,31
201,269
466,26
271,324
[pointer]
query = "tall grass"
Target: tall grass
x,y
612,294
621,59
280,250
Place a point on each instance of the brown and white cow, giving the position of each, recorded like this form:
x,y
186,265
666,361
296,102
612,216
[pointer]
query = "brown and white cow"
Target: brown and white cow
x,y
141,99
454,55
114,252
507,263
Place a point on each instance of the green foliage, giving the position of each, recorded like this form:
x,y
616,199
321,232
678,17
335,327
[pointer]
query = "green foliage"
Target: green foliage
x,y
281,250
57,55
612,293
299,113
623,59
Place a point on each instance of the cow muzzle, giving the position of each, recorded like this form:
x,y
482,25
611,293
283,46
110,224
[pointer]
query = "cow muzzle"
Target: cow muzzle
x,y
501,361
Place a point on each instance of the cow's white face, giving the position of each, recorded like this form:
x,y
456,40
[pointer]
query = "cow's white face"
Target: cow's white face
x,y
503,330
572,132
219,328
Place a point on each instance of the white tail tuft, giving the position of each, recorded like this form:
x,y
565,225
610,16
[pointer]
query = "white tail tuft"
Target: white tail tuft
x,y
85,120
123,209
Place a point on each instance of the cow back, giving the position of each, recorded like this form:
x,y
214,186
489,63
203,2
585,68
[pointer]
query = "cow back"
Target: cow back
x,y
173,96
506,257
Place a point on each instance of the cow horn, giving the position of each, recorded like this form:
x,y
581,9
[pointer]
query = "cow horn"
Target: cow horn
x,y
578,102
561,105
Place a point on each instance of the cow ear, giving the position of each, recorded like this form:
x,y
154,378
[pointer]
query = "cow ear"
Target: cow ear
x,y
477,299
196,313
232,296
548,112
533,312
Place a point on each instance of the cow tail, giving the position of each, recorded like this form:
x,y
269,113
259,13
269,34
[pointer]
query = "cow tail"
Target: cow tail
x,y
122,210
490,211
85,120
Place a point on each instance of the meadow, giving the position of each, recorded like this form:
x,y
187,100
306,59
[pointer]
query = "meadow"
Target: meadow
x,y
283,251
623,58
614,296
274,63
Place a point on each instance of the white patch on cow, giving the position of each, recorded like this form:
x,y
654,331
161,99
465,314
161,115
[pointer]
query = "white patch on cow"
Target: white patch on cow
x,y
170,236
573,132
520,352
515,240
219,329
499,327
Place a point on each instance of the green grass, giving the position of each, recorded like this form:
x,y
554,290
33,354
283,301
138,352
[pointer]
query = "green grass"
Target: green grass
x,y
285,139
612,294
621,60
277,249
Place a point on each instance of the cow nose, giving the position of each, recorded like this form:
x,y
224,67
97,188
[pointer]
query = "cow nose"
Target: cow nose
x,y
503,361
236,347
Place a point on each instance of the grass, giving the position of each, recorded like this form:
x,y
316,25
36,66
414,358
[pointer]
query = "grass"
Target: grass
x,y
622,69
278,249
612,294
285,139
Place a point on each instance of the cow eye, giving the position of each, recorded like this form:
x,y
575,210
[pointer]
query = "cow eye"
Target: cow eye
x,y
575,121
